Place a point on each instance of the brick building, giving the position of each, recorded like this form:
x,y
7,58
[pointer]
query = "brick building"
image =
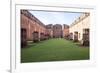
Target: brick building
x,y
57,31
80,28
49,28
32,29
66,31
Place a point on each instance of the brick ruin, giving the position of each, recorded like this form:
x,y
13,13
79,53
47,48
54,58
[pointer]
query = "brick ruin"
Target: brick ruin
x,y
32,29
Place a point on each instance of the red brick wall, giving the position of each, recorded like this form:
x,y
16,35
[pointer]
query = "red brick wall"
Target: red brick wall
x,y
65,32
31,26
34,25
57,31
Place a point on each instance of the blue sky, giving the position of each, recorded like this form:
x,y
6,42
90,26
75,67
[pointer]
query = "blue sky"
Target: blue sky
x,y
56,17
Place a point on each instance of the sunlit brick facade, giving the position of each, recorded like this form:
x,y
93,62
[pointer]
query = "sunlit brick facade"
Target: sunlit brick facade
x,y
65,31
49,28
79,29
31,24
57,31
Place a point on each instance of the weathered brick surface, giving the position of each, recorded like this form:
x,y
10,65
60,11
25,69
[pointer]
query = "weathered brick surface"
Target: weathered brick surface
x,y
31,26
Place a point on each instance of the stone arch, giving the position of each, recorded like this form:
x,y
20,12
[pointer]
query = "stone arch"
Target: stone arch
x,y
35,36
42,36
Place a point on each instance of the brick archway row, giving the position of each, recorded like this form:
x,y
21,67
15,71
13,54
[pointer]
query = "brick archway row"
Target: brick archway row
x,y
32,29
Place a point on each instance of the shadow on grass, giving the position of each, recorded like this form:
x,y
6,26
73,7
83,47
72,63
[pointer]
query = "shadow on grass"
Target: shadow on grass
x,y
31,44
80,45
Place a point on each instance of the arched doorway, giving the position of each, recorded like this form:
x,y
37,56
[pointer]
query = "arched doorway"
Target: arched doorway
x,y
23,37
75,36
35,36
85,37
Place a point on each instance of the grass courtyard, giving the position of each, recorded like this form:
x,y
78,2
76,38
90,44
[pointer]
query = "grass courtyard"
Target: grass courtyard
x,y
54,50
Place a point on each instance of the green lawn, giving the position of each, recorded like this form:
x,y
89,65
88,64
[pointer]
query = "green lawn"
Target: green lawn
x,y
54,50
